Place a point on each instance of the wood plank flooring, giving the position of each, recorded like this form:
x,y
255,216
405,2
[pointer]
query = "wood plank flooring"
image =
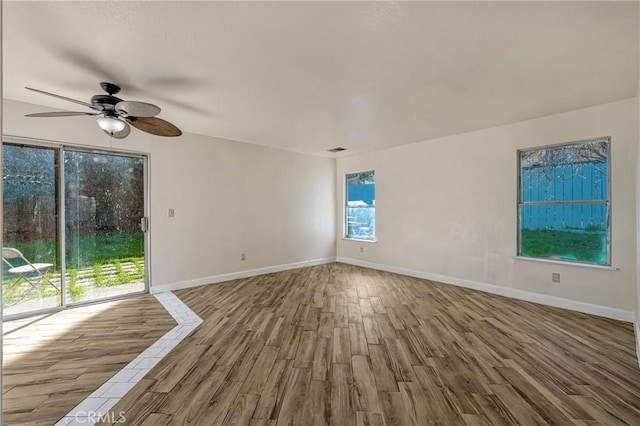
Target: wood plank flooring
x,y
341,345
53,362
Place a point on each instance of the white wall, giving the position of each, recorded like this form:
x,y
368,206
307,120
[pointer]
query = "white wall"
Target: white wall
x,y
229,197
446,208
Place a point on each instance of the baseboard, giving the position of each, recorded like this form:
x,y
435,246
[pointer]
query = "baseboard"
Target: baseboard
x,y
154,289
543,299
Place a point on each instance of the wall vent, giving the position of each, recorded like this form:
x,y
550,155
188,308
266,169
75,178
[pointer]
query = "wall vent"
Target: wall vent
x,y
338,149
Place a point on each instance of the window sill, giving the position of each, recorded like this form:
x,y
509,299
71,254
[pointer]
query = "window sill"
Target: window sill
x,y
566,263
360,240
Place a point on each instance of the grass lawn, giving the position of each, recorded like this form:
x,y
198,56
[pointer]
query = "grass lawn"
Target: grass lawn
x,y
101,264
101,248
565,245
108,274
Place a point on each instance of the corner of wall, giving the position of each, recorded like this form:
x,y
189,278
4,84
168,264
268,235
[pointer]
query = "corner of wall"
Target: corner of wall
x,y
156,289
527,296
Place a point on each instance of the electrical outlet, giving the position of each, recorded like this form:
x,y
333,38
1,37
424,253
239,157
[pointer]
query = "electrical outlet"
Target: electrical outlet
x,y
171,213
361,249
555,277
243,256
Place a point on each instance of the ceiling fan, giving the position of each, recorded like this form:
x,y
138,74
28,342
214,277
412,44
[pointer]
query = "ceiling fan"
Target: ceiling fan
x,y
115,115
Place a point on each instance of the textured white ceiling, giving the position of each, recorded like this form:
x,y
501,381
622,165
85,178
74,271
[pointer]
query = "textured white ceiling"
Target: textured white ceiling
x,y
309,76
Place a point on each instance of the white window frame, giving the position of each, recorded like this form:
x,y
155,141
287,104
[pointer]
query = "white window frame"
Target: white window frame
x,y
606,202
347,221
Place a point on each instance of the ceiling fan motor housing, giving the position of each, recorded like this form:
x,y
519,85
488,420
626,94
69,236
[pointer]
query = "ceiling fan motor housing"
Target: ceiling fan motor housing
x,y
105,102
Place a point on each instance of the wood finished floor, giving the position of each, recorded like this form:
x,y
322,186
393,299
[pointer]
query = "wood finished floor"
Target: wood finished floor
x,y
53,362
342,345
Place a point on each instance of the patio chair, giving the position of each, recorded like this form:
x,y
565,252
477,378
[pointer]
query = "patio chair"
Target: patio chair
x,y
32,273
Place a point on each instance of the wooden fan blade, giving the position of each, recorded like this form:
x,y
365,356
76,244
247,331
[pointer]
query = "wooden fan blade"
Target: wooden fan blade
x,y
154,125
137,109
122,133
59,114
88,105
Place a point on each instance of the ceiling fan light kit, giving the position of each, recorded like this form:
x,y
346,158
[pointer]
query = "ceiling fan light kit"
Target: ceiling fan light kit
x,y
115,115
111,124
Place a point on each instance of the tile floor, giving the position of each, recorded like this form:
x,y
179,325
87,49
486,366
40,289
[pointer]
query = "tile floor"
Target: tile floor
x,y
100,402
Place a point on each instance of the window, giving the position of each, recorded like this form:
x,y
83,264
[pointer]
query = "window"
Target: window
x,y
360,208
563,202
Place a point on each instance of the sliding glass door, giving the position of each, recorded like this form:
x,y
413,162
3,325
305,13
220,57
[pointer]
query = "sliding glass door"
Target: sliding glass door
x,y
77,218
104,209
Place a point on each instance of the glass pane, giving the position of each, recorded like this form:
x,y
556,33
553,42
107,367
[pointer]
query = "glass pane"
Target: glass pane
x,y
104,203
361,189
566,173
575,232
361,222
31,267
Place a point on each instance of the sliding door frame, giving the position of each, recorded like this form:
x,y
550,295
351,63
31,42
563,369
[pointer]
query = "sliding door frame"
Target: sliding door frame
x,y
60,148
